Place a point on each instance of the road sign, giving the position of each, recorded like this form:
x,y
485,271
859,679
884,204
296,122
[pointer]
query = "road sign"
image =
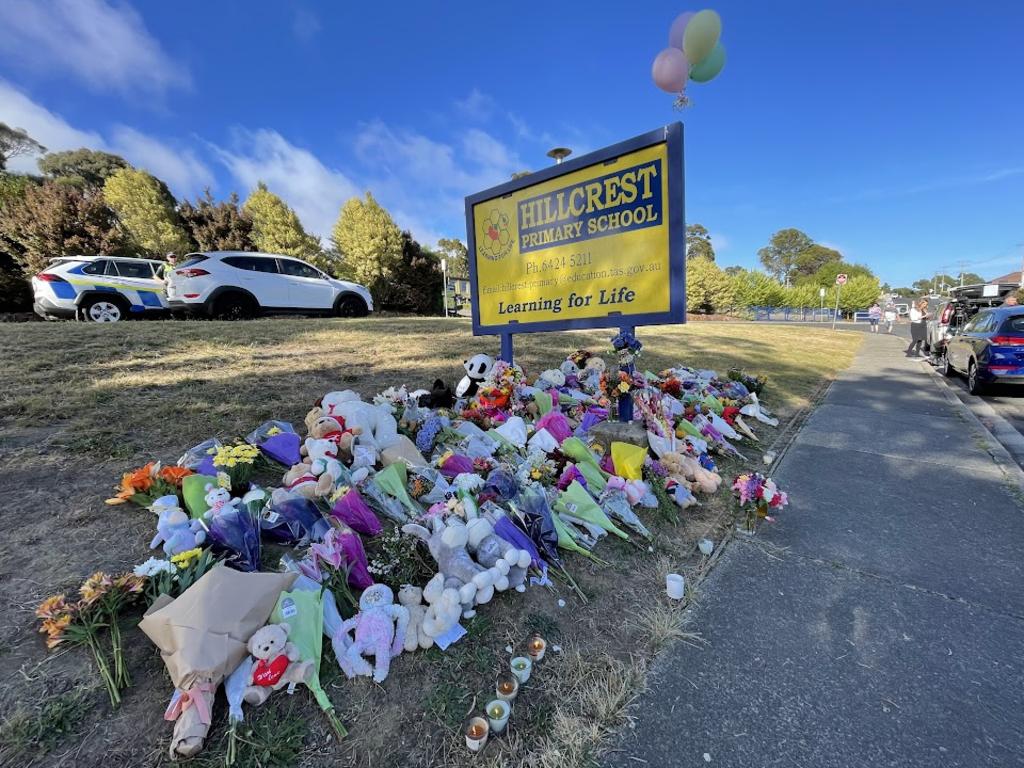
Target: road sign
x,y
841,279
594,242
821,292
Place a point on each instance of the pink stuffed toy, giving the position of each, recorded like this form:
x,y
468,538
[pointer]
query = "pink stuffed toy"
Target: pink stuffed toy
x,y
379,628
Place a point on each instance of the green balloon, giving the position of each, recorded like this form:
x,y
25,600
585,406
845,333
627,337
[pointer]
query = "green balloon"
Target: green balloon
x,y
701,35
710,67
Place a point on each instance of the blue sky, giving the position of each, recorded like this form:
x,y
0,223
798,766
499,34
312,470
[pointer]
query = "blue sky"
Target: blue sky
x,y
891,131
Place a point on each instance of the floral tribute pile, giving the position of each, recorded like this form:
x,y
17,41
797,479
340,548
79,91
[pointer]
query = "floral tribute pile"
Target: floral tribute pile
x,y
394,520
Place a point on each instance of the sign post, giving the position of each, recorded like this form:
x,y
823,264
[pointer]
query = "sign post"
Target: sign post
x,y
444,288
840,282
593,242
821,295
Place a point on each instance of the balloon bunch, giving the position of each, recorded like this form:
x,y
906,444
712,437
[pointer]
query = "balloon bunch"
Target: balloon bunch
x,y
694,53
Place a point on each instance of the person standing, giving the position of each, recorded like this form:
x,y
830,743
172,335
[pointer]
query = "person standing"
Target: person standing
x,y
890,317
874,316
1011,300
918,327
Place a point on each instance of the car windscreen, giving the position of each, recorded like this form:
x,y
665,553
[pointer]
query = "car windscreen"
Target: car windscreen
x,y
191,260
1013,326
252,263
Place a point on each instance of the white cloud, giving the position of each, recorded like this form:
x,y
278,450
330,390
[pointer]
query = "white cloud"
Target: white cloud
x,y
178,166
108,47
50,130
477,106
719,241
315,191
305,24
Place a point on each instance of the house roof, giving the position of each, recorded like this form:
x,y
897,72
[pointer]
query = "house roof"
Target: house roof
x,y
1012,277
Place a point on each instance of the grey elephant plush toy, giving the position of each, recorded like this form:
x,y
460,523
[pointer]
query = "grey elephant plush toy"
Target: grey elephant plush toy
x,y
447,545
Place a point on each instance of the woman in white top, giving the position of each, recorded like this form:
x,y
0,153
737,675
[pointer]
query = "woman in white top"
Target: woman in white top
x,y
918,327
890,317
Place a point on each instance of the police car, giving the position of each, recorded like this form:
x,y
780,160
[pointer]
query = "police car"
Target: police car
x,y
100,289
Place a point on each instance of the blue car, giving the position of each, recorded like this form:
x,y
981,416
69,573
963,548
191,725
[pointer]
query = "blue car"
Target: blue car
x,y
989,349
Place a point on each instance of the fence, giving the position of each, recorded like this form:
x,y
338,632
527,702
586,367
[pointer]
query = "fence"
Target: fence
x,y
796,314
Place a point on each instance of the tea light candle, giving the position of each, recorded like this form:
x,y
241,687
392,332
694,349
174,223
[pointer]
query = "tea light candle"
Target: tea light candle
x,y
707,546
507,687
535,648
497,715
521,668
476,734
675,586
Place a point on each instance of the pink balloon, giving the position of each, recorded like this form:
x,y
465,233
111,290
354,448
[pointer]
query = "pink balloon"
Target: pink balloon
x,y
675,33
670,70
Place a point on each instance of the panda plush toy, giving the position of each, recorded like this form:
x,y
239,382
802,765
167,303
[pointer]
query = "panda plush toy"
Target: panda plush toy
x,y
478,368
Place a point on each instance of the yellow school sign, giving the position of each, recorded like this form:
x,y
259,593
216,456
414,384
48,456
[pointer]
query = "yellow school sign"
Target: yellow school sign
x,y
595,242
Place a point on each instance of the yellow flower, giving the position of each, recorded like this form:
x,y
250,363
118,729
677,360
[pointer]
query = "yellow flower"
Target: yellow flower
x,y
623,387
54,629
95,587
184,559
52,607
273,431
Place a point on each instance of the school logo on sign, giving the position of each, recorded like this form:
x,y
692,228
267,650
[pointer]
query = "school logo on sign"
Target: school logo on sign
x,y
495,238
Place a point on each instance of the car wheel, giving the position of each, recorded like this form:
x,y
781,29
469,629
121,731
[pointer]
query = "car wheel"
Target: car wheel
x,y
100,309
234,306
974,385
944,367
350,306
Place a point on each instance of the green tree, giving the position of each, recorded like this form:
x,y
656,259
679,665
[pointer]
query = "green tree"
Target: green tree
x,y
812,259
827,273
858,294
276,229
782,253
15,142
414,284
81,167
57,220
698,243
15,290
217,226
368,240
708,288
456,252
143,208
802,295
753,288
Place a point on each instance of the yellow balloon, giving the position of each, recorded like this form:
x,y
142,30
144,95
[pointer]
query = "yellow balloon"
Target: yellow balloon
x,y
701,36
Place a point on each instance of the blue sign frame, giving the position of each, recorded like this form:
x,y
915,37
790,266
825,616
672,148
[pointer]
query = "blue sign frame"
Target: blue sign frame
x,y
672,136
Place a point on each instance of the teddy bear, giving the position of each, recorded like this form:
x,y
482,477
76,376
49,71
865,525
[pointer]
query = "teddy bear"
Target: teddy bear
x,y
492,551
218,500
682,468
335,429
550,379
323,464
301,480
174,528
376,424
571,371
411,598
380,628
478,368
439,396
276,663
590,376
444,607
447,545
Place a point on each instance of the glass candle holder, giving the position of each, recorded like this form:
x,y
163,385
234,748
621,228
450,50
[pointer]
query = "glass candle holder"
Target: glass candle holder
x,y
535,648
477,730
497,715
507,687
521,668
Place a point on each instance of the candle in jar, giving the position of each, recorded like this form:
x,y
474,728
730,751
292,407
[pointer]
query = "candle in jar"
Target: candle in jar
x,y
536,647
521,668
476,734
497,715
507,687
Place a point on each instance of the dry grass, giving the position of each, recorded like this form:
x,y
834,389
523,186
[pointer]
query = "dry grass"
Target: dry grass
x,y
80,404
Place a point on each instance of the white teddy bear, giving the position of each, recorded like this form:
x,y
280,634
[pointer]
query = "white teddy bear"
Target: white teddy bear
x,y
378,425
323,463
443,607
478,368
218,499
411,598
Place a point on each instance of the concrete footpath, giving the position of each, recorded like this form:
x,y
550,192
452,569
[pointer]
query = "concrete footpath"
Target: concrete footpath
x,y
880,621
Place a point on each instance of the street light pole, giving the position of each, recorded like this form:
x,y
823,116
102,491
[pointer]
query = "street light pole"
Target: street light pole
x,y
444,287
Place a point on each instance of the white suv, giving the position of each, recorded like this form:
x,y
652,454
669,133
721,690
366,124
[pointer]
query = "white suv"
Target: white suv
x,y
245,284
101,289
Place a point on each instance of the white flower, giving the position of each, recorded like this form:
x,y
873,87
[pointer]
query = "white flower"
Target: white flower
x,y
468,481
153,566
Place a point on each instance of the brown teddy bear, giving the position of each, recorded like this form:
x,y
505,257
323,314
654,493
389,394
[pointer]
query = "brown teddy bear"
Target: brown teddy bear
x,y
333,428
276,663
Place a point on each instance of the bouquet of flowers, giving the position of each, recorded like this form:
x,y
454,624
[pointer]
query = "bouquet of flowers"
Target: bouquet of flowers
x,y
397,559
757,495
238,461
174,576
338,563
79,623
615,384
626,347
753,383
144,485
